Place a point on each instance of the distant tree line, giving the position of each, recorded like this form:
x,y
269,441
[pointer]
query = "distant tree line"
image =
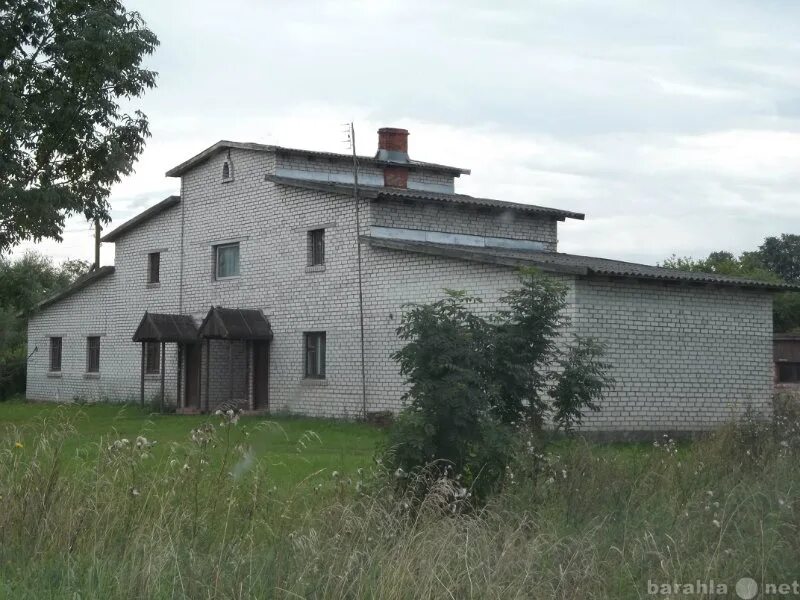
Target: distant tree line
x,y
776,260
24,283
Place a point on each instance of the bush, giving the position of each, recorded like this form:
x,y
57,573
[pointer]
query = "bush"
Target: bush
x,y
474,380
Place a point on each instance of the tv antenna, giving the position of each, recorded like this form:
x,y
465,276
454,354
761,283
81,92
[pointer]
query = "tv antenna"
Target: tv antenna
x,y
350,141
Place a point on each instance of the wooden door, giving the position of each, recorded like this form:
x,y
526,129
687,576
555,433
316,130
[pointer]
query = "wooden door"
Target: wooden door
x,y
261,375
192,375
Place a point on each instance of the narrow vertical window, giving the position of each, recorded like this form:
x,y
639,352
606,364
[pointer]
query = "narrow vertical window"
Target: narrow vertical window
x,y
154,267
316,247
315,354
93,354
227,171
226,260
152,358
55,354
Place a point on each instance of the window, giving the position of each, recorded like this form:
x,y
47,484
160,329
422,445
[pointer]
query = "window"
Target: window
x,y
788,372
154,267
152,358
227,171
55,353
315,354
226,260
92,354
316,247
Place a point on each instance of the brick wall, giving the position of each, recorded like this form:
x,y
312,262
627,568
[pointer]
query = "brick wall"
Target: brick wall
x,y
432,216
271,224
684,357
110,308
394,279
341,170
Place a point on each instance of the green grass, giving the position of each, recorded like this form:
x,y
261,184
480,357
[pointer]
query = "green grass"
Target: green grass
x,y
291,449
188,520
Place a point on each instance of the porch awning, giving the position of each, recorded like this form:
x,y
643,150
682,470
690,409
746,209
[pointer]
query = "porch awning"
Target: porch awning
x,y
235,324
156,327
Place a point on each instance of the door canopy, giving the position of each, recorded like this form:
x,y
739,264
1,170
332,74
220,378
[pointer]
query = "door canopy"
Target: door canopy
x,y
235,324
156,327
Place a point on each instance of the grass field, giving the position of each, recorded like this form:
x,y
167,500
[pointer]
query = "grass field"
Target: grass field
x,y
290,449
266,509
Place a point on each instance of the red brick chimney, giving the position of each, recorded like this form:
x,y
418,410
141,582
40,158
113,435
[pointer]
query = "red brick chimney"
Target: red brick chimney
x,y
393,150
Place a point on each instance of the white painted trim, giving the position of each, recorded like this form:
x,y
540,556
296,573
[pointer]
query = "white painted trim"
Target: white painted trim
x,y
455,239
363,179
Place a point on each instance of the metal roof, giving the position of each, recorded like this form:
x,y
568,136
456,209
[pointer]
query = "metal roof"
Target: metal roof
x,y
143,216
157,327
225,144
575,264
235,324
77,285
378,193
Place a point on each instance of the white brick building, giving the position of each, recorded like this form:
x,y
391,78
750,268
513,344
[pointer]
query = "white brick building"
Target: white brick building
x,y
278,239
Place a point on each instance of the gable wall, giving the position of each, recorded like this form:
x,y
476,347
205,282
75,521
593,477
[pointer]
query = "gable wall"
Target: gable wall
x,y
684,357
110,308
271,224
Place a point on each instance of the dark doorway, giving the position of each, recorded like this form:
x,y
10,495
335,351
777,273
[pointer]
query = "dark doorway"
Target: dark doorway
x,y
261,375
192,375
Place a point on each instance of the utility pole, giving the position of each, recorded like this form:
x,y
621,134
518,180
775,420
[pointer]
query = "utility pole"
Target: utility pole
x,y
96,245
351,133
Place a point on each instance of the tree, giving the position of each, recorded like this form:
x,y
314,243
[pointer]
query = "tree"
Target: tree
x,y
777,260
474,379
23,283
781,255
747,265
65,65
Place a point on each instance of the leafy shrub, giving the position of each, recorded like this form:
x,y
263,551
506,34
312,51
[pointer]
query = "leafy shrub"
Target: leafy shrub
x,y
582,381
475,380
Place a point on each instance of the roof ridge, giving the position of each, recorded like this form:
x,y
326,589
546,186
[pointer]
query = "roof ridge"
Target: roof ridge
x,y
204,155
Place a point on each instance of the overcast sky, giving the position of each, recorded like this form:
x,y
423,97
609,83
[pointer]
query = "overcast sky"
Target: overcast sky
x,y
675,126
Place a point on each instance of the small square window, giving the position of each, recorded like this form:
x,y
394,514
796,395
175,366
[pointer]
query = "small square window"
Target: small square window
x,y
788,372
226,260
152,358
316,247
154,267
315,354
93,354
55,353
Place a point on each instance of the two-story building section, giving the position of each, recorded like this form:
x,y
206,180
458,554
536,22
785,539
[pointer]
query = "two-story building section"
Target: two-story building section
x,y
273,282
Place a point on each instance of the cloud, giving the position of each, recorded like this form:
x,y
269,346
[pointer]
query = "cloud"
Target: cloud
x,y
673,127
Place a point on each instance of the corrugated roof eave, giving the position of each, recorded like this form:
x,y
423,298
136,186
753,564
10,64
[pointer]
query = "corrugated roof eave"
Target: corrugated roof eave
x,y
570,263
81,283
141,218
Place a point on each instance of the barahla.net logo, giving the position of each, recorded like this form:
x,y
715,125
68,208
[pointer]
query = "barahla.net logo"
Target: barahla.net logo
x,y
746,588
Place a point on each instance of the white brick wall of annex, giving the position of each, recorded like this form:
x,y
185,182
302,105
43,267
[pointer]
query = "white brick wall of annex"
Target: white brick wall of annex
x,y
684,357
471,220
395,278
110,308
